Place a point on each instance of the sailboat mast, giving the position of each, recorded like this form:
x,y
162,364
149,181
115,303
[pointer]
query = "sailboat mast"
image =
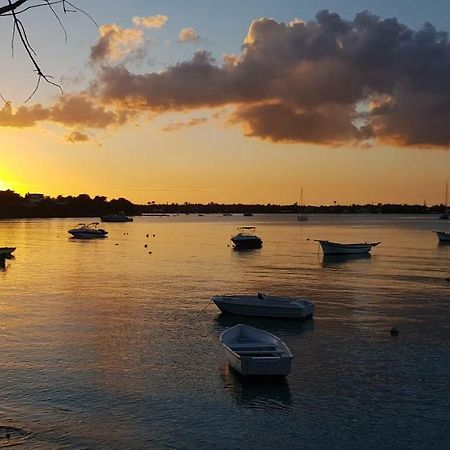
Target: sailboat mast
x,y
446,194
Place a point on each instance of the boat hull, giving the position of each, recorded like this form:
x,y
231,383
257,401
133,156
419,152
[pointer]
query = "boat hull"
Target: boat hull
x,y
443,236
247,243
114,218
87,235
334,248
6,252
252,306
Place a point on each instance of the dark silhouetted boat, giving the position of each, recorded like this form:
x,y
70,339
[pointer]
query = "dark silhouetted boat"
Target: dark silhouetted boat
x,y
246,238
6,252
119,217
443,236
88,231
262,305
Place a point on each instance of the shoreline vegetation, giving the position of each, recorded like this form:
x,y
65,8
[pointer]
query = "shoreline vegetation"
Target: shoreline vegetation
x,y
15,206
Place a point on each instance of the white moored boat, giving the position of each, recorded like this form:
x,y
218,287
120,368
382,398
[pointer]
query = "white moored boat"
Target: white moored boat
x,y
261,305
443,236
251,351
246,238
334,248
6,252
88,231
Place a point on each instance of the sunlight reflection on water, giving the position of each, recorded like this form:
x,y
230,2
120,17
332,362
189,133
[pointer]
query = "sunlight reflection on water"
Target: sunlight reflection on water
x,y
106,345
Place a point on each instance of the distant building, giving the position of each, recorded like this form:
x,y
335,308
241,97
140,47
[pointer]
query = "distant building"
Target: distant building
x,y
34,198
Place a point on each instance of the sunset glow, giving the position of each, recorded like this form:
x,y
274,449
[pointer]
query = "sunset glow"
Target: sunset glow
x,y
164,105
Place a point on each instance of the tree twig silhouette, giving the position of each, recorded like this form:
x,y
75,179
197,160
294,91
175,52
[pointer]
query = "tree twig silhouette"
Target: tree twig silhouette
x,y
15,9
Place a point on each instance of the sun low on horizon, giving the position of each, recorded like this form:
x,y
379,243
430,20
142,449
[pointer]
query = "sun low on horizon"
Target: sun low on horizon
x,y
229,103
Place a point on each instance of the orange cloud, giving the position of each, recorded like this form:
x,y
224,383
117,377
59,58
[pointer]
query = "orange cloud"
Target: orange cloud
x,y
76,136
190,123
188,35
115,43
150,21
77,110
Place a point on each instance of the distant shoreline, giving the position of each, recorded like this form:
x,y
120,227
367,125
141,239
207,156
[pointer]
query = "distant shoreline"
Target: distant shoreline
x,y
35,206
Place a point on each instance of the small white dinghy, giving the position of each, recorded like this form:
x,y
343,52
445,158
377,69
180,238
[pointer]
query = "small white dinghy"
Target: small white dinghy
x,y
262,305
251,351
335,248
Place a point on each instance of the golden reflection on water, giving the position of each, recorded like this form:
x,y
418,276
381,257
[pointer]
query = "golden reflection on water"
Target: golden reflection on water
x,y
103,330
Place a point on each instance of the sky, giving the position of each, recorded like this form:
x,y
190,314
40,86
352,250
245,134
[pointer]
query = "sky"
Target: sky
x,y
230,101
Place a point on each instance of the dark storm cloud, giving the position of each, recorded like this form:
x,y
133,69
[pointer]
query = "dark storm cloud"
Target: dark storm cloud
x,y
306,81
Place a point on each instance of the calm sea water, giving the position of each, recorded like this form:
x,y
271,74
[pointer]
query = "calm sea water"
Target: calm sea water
x,y
109,344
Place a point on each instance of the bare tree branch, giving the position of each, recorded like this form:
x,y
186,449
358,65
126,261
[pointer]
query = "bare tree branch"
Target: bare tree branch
x,y
14,10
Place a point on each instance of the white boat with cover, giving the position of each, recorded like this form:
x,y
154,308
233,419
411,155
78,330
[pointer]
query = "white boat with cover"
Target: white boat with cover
x,y
6,252
335,248
443,236
262,305
246,238
251,351
88,231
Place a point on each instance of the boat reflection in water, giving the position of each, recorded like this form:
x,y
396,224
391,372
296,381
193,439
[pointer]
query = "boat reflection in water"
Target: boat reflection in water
x,y
337,260
286,327
263,393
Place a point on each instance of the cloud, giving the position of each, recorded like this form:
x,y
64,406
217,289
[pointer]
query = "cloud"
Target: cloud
x,y
190,123
326,81
151,21
76,137
188,35
115,43
23,117
77,110
306,82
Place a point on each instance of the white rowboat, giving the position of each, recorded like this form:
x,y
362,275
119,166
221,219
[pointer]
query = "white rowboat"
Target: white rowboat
x,y
261,305
334,248
251,351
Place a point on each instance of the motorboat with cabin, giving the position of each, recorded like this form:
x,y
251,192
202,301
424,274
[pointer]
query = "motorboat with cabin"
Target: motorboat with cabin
x,y
246,238
335,248
261,305
88,231
251,351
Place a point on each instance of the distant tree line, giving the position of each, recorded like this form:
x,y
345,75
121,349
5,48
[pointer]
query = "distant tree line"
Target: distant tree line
x,y
13,205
